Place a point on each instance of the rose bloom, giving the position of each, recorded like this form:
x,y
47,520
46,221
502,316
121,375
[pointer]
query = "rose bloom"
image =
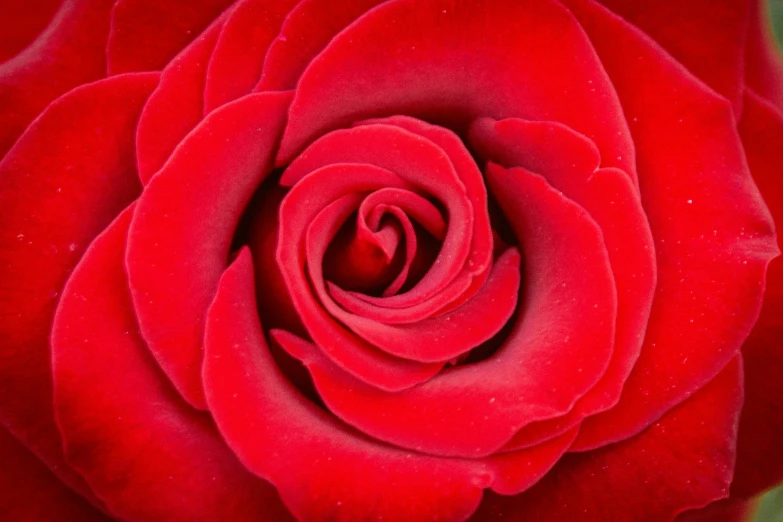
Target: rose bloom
x,y
401,260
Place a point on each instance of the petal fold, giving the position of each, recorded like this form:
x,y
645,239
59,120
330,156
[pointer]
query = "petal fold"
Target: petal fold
x,y
125,428
323,470
683,461
183,227
146,34
64,181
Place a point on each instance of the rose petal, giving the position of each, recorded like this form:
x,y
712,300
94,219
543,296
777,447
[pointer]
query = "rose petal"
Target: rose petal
x,y
420,209
706,36
68,53
541,431
65,179
512,471
437,339
760,452
176,105
440,303
403,205
182,229
473,410
307,29
363,259
29,490
147,34
113,404
443,73
21,23
301,205
322,469
235,66
468,172
454,333
683,461
424,165
711,262
570,162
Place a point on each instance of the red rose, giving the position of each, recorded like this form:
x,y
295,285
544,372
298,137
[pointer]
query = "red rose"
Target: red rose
x,y
402,260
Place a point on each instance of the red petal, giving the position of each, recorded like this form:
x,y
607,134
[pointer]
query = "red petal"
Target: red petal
x,y
713,234
70,52
403,205
365,259
440,303
437,339
683,461
113,405
513,471
29,490
176,106
760,452
307,29
426,166
569,161
21,23
469,174
432,62
301,205
706,36
182,229
147,34
65,179
473,410
454,333
235,66
323,470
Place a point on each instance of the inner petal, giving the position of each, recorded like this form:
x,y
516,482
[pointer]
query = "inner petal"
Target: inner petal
x,y
364,260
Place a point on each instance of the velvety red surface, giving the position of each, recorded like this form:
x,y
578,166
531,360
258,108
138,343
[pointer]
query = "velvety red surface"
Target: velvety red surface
x,y
389,260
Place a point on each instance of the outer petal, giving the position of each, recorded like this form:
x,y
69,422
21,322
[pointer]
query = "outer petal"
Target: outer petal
x,y
542,67
569,161
29,491
307,29
706,36
125,427
683,461
713,233
146,34
182,229
760,452
235,66
70,52
65,179
21,23
323,470
176,106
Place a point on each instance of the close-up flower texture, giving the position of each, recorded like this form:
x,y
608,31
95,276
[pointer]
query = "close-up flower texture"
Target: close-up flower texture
x,y
401,260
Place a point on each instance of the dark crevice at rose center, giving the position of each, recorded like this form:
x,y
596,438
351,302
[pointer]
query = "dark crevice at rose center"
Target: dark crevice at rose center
x,y
357,263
